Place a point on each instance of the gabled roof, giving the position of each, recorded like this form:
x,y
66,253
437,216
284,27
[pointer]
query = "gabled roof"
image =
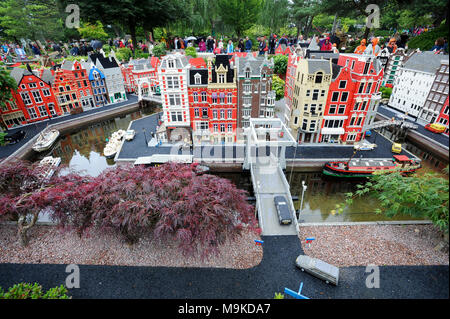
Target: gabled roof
x,y
18,73
203,73
315,65
180,61
67,65
197,63
223,61
47,76
426,61
106,63
255,65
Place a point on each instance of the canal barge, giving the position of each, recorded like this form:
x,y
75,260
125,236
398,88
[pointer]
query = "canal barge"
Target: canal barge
x,y
368,167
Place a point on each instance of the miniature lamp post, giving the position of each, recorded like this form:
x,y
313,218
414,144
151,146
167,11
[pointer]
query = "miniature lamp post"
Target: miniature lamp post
x,y
145,136
301,202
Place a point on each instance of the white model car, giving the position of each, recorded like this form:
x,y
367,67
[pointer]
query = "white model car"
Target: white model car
x,y
364,146
318,268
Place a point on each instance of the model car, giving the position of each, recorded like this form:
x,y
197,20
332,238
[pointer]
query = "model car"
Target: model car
x,y
318,268
435,127
283,210
364,146
396,148
15,137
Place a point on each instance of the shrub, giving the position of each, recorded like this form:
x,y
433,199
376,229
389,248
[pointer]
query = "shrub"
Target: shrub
x,y
386,92
278,86
124,54
33,291
280,64
191,51
159,50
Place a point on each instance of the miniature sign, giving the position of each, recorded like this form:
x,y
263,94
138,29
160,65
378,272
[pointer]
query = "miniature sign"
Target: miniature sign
x,y
259,242
296,295
309,241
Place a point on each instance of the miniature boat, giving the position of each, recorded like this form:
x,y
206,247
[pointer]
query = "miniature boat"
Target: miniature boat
x,y
49,165
111,148
368,167
129,135
46,140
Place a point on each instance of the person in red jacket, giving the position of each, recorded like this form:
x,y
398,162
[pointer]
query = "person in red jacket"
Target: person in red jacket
x,y
326,45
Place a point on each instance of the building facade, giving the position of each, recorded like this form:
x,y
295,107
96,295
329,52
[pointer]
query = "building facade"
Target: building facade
x,y
83,85
12,114
443,117
312,81
254,86
174,92
222,98
413,82
98,85
113,76
438,95
34,97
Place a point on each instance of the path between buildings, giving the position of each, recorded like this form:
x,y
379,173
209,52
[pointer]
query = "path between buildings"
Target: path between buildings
x,y
275,272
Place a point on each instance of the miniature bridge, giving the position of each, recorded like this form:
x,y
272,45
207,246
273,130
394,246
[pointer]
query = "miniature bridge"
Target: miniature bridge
x,y
266,142
402,124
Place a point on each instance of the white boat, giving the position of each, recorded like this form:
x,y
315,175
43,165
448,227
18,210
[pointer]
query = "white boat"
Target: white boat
x,y
129,135
45,140
111,148
113,145
49,165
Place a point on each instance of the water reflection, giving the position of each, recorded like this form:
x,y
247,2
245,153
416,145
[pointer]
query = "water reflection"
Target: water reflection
x,y
83,150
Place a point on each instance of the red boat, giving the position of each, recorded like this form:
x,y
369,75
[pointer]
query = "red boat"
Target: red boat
x,y
368,167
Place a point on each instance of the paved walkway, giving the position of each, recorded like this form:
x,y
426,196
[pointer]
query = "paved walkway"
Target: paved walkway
x,y
273,274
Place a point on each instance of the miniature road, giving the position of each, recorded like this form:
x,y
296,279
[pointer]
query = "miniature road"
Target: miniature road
x,y
273,274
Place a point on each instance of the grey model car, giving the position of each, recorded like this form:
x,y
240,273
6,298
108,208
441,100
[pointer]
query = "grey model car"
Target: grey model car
x,y
283,210
318,268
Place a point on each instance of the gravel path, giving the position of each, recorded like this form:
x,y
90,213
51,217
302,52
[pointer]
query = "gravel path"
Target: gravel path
x,y
48,245
375,244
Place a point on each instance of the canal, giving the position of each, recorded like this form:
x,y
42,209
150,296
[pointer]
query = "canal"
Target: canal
x,y
83,151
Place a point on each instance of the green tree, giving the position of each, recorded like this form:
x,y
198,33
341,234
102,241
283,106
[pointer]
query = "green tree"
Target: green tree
x,y
31,19
274,14
131,13
417,196
93,31
7,83
239,14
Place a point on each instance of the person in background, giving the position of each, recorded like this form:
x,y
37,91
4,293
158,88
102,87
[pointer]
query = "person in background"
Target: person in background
x,y
220,45
326,45
438,45
373,48
35,50
210,44
403,40
241,45
361,48
248,44
230,47
20,52
272,43
334,48
202,46
392,46
262,46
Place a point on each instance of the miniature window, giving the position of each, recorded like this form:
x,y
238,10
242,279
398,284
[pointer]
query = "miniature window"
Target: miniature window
x,y
342,84
247,73
197,79
195,97
319,77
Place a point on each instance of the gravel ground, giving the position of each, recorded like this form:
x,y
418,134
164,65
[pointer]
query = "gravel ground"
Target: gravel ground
x,y
48,245
375,244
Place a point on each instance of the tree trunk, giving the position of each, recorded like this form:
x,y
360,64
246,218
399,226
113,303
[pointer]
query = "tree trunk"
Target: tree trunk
x,y
132,26
366,33
23,228
333,29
